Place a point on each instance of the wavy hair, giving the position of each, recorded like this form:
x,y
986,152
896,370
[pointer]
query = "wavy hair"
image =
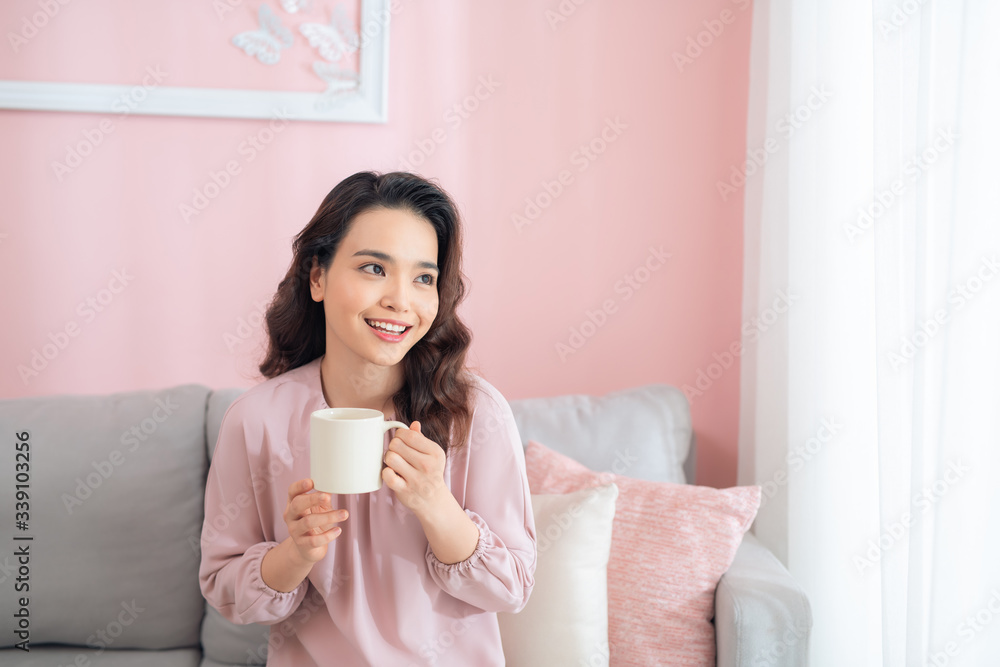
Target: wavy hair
x,y
437,384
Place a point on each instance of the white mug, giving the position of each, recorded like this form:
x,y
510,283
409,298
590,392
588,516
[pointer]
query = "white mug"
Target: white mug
x,y
346,447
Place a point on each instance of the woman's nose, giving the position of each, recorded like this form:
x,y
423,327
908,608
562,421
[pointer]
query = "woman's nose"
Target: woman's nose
x,y
397,296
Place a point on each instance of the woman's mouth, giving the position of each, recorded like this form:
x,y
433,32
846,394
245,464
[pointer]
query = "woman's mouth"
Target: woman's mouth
x,y
388,332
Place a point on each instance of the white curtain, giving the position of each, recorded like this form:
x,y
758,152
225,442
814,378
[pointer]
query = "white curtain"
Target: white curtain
x,y
870,406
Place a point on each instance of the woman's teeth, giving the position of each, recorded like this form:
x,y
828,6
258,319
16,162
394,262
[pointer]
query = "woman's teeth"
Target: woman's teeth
x,y
391,328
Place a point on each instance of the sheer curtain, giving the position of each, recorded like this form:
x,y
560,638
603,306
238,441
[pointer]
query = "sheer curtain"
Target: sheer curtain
x,y
870,407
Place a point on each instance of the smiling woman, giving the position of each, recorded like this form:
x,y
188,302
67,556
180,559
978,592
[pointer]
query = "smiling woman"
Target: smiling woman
x,y
396,300
366,318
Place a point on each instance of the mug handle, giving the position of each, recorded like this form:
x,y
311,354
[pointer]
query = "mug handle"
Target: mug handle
x,y
387,425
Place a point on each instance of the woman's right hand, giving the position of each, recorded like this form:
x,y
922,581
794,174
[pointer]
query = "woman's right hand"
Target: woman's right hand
x,y
311,520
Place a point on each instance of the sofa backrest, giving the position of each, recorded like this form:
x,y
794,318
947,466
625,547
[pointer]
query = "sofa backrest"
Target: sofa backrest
x,y
115,485
642,432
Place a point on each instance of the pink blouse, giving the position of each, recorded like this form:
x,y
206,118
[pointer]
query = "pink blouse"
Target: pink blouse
x,y
380,596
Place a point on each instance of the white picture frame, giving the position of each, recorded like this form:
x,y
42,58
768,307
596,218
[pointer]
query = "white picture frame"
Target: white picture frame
x,y
367,105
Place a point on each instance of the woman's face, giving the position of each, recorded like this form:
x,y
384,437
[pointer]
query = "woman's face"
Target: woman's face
x,y
384,270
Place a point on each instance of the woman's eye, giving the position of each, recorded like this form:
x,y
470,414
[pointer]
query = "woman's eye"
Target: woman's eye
x,y
428,276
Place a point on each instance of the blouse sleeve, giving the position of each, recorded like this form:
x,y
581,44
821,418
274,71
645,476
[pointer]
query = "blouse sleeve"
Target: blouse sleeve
x,y
499,575
232,539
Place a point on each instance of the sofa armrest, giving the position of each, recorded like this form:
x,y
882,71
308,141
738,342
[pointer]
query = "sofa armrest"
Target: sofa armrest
x,y
762,616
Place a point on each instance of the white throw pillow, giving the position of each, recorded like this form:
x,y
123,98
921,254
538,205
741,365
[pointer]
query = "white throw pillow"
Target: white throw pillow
x,y
566,619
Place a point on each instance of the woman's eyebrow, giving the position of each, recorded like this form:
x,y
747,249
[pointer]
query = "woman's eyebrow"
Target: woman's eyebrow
x,y
388,259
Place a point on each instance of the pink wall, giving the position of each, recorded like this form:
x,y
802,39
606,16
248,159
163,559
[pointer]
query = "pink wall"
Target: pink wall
x,y
193,288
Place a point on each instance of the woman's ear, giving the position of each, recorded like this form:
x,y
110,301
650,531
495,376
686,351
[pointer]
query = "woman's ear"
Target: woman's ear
x,y
317,281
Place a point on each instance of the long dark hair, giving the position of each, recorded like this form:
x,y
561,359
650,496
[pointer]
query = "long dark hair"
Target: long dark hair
x,y
437,386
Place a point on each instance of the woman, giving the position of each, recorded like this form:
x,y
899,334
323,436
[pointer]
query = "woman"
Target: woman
x,y
411,574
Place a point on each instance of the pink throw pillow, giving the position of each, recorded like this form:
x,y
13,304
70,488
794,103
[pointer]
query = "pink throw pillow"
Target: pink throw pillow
x,y
670,545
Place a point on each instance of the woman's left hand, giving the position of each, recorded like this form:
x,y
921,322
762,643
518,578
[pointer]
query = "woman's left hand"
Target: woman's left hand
x,y
415,470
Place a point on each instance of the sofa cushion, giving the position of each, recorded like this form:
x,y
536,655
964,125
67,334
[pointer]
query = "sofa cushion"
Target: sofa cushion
x,y
670,545
68,656
648,429
566,619
116,485
218,402
231,644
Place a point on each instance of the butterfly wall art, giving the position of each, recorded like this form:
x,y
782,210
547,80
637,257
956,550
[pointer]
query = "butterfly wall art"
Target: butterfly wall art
x,y
340,82
265,43
310,60
295,6
333,41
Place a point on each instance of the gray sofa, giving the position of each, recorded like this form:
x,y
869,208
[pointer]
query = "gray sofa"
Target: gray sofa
x,y
114,493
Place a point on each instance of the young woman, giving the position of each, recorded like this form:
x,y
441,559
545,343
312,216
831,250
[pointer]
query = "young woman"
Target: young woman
x,y
411,574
